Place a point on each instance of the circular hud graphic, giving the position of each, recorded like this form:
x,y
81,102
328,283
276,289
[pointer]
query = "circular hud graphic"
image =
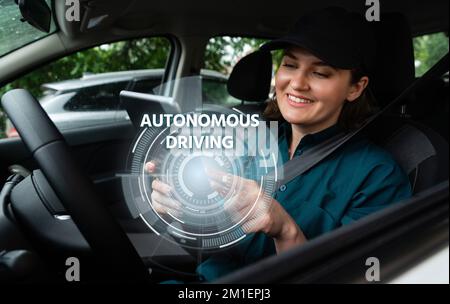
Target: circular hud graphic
x,y
199,219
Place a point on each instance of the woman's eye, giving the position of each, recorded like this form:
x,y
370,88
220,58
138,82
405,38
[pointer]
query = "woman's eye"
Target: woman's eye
x,y
321,75
288,65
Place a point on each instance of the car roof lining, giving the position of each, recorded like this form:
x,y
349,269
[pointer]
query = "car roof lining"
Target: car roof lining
x,y
143,18
204,18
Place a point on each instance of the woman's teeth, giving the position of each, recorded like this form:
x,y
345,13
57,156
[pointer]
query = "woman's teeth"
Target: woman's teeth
x,y
298,99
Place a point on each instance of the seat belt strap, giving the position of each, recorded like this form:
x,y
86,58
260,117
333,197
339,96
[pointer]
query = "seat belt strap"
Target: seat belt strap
x,y
299,165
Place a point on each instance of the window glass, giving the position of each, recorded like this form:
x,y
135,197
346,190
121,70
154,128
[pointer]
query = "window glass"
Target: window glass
x,y
91,80
97,98
428,49
13,32
215,92
222,53
148,85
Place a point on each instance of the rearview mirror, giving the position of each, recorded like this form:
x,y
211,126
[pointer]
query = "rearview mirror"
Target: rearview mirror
x,y
37,13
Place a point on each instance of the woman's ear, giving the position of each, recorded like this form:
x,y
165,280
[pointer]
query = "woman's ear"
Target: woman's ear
x,y
356,89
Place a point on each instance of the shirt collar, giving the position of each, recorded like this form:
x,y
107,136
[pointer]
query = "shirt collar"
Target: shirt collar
x,y
308,140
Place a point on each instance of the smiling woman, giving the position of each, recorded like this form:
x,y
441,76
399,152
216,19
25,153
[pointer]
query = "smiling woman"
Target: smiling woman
x,y
326,68
349,115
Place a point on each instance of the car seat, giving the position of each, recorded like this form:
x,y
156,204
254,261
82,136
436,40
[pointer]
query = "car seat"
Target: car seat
x,y
249,82
418,149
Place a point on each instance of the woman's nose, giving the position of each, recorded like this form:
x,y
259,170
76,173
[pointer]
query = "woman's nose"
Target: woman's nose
x,y
299,82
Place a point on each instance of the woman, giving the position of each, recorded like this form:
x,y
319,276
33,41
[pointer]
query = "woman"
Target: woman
x,y
321,89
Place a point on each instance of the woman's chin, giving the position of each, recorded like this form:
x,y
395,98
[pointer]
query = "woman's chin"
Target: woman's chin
x,y
294,119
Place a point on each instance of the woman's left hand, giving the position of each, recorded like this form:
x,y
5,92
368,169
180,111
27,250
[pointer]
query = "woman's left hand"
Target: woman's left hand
x,y
265,214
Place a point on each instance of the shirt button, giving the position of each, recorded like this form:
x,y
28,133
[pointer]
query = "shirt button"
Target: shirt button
x,y
283,188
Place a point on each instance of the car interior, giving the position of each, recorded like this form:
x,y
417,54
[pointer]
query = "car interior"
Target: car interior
x,y
73,205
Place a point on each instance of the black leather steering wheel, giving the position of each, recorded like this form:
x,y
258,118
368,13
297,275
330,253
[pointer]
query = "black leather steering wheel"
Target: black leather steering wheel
x,y
75,190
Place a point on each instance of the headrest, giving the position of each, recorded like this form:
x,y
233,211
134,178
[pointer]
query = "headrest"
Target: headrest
x,y
251,77
394,69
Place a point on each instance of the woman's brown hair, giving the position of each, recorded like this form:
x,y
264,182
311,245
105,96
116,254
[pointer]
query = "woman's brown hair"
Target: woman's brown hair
x,y
353,113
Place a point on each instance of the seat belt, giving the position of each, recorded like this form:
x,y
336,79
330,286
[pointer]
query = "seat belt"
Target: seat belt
x,y
300,164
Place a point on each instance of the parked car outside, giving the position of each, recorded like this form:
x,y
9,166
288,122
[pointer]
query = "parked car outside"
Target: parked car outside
x,y
94,99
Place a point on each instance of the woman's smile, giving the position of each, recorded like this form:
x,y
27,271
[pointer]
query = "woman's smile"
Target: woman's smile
x,y
298,101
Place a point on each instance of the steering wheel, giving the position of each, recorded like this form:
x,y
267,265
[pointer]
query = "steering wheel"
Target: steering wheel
x,y
75,190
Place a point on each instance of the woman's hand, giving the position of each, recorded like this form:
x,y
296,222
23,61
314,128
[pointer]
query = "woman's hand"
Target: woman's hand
x,y
160,197
267,215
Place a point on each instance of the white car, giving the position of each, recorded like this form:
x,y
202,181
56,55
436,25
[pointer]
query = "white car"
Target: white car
x,y
94,99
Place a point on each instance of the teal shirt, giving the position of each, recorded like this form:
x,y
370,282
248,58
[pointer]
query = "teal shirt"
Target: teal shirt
x,y
356,180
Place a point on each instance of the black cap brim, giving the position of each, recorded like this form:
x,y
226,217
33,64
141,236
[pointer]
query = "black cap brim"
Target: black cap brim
x,y
329,57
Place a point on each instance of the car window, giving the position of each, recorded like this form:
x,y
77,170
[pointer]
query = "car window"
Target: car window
x,y
146,85
91,80
215,92
97,98
13,32
428,49
222,53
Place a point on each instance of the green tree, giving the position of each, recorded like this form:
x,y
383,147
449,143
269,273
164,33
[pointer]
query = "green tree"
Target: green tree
x,y
222,53
428,49
120,56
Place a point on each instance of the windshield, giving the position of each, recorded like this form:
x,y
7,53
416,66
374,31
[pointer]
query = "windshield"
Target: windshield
x,y
13,32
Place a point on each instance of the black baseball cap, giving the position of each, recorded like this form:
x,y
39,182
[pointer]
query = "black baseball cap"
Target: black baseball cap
x,y
340,38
